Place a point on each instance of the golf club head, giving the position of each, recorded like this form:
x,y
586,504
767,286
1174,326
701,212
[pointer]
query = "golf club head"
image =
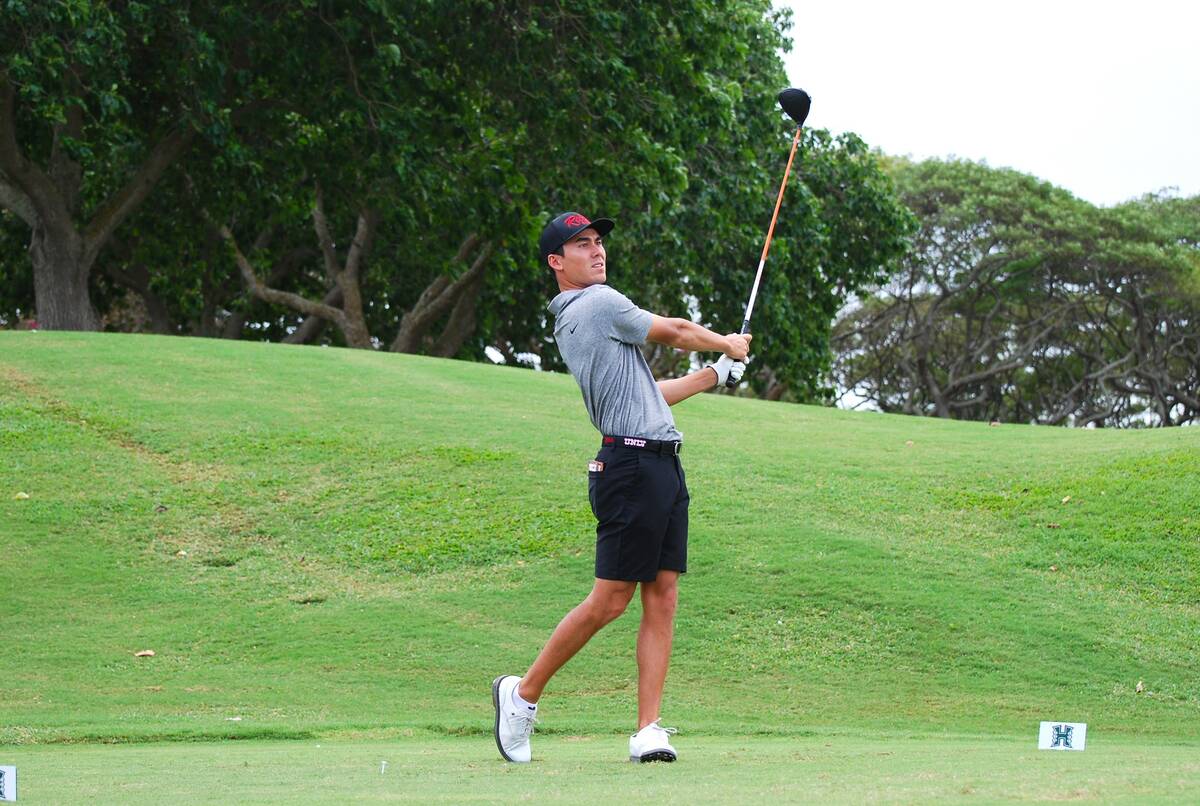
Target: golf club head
x,y
795,102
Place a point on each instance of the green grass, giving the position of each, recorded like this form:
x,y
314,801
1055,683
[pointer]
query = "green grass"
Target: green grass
x,y
590,770
329,543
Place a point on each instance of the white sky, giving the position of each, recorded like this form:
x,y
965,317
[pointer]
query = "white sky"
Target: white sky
x,y
1102,98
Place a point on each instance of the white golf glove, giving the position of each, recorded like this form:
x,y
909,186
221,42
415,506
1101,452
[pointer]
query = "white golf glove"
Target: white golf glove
x,y
729,372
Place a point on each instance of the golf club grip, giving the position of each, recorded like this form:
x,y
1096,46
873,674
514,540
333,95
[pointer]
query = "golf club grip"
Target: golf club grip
x,y
732,382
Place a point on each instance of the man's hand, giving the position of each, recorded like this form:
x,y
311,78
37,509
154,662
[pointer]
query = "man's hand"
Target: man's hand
x,y
737,346
729,372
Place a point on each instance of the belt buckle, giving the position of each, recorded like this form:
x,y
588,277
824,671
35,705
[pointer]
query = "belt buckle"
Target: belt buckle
x,y
677,447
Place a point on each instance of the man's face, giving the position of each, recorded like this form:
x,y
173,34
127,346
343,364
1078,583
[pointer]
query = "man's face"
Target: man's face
x,y
582,262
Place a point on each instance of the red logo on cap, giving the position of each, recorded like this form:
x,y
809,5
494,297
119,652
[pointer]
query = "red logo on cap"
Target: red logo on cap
x,y
576,221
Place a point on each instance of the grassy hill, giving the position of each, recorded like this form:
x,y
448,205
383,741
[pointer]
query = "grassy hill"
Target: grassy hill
x,y
322,542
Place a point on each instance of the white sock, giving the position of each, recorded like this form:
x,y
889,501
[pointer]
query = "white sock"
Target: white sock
x,y
520,702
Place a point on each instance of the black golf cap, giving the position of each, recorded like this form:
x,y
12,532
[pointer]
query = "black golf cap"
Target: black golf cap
x,y
565,226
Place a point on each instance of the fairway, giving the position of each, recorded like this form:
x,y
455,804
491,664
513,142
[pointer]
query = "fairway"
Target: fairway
x,y
343,548
589,769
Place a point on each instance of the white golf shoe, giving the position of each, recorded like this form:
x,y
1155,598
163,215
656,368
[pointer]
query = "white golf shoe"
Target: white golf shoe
x,y
652,743
513,725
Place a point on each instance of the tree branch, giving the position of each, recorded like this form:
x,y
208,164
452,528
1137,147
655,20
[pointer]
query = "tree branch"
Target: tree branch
x,y
311,326
14,199
439,296
259,289
20,175
66,173
361,245
462,321
324,239
121,204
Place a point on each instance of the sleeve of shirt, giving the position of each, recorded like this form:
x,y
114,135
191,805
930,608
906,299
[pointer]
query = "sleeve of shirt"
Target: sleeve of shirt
x,y
629,323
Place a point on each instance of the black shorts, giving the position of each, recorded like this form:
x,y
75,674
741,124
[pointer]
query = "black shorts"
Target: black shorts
x,y
640,500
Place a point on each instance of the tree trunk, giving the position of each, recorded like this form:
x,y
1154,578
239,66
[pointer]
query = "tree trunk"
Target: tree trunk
x,y
440,296
312,326
160,315
232,328
348,318
347,275
462,322
62,251
60,280
137,280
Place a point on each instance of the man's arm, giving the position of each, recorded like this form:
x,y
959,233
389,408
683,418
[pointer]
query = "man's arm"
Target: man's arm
x,y
687,335
677,389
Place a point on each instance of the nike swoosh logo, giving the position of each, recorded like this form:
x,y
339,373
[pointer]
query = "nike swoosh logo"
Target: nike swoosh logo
x,y
573,328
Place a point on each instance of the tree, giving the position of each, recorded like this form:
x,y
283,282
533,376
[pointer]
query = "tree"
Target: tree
x,y
1022,303
688,164
444,134
97,101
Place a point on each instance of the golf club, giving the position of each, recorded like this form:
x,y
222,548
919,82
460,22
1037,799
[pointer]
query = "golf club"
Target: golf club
x,y
795,103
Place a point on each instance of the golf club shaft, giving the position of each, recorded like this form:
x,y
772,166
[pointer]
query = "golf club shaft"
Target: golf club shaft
x,y
762,261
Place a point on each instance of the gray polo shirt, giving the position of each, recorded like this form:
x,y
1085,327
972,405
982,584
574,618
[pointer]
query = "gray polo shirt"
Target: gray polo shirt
x,y
598,331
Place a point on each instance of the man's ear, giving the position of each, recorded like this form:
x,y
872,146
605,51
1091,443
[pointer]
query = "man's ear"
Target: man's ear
x,y
554,261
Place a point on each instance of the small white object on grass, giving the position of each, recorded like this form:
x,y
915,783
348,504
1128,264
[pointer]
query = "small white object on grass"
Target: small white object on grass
x,y
382,767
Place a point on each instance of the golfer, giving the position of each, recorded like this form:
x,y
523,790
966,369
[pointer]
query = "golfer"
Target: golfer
x,y
636,483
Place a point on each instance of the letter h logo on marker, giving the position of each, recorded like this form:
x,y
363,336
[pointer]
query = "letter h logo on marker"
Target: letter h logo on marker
x,y
1062,736
8,783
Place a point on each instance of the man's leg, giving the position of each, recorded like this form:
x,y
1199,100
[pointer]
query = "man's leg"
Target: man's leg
x,y
654,642
607,600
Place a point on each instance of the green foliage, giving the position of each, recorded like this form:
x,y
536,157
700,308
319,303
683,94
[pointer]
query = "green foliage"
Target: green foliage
x,y
104,97
449,118
130,72
1022,303
846,231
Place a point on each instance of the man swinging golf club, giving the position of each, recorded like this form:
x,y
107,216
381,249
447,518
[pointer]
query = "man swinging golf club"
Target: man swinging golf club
x,y
636,483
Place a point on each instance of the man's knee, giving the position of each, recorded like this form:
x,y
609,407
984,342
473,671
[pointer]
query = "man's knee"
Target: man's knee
x,y
662,595
607,603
